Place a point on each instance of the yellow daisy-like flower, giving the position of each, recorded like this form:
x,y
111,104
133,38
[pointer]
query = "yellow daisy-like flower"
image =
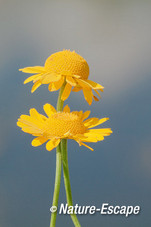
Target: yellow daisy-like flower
x,y
59,125
64,66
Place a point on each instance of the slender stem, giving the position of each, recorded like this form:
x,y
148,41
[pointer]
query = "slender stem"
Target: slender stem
x,y
67,179
60,102
57,185
61,153
58,167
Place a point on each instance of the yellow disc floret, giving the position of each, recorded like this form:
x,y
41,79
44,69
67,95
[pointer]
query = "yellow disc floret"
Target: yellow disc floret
x,y
61,123
68,61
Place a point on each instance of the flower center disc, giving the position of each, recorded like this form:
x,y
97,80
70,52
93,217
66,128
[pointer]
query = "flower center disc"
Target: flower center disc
x,y
61,123
67,61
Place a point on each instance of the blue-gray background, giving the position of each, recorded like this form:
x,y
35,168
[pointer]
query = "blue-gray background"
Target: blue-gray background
x,y
115,38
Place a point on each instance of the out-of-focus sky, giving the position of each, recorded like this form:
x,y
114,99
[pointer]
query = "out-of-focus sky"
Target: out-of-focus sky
x,y
114,37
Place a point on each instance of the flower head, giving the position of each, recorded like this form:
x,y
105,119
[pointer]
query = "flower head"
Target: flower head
x,y
64,66
59,125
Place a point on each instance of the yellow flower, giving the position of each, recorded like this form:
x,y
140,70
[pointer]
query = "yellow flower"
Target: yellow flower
x,y
59,125
64,66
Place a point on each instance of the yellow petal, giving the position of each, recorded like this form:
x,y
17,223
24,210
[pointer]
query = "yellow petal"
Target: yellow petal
x,y
34,113
86,146
91,121
86,114
23,118
76,89
38,141
92,137
89,139
34,69
29,127
99,122
43,117
76,76
36,121
48,77
102,131
98,93
66,92
71,81
88,95
54,86
39,76
35,86
20,124
32,131
49,109
95,98
83,83
66,109
50,87
52,144
31,78
80,114
94,85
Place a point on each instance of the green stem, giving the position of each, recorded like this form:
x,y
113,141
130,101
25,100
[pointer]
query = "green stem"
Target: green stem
x,y
58,167
60,102
57,185
67,179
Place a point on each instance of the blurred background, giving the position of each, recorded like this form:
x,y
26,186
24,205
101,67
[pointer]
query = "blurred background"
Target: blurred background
x,y
115,39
